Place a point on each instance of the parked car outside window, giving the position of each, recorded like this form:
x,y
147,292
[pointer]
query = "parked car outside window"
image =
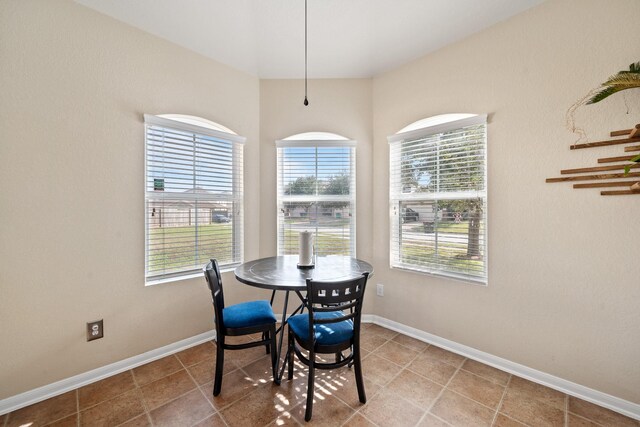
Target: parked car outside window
x,y
409,214
219,218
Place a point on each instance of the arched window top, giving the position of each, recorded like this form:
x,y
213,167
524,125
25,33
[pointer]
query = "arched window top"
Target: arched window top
x,y
197,121
313,139
435,120
438,124
316,136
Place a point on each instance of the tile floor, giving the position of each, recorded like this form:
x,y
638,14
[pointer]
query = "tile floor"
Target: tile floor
x,y
408,383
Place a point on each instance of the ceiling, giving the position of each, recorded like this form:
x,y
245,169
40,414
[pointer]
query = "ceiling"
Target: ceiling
x,y
346,38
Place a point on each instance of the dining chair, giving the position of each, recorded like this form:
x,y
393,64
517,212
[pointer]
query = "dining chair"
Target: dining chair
x,y
331,326
239,319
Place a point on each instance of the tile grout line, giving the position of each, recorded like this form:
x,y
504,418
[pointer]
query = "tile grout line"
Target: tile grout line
x,y
515,420
294,419
242,396
381,387
144,404
474,401
402,368
587,419
136,386
458,368
405,400
357,411
486,378
418,352
215,411
461,368
47,423
170,401
255,390
440,419
579,416
78,407
207,417
303,401
441,391
504,393
6,419
356,414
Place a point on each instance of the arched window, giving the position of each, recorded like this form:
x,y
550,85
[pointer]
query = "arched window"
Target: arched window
x,y
198,121
317,192
193,194
438,197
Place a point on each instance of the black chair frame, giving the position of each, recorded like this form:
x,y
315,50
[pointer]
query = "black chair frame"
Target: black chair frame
x,y
214,280
340,296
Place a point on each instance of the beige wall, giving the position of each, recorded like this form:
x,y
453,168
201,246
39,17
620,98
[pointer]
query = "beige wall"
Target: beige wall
x,y
562,294
341,106
73,87
563,282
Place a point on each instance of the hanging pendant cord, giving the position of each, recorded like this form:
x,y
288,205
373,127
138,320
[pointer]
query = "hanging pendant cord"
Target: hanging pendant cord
x,y
306,102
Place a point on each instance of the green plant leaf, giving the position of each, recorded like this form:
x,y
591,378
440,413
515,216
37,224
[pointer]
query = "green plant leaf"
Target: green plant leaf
x,y
621,81
603,94
627,168
624,79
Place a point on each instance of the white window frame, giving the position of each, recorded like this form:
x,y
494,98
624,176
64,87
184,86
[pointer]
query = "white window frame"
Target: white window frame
x,y
317,140
198,127
397,195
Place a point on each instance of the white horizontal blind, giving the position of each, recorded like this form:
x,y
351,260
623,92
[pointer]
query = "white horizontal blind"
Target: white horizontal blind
x,y
317,192
193,197
438,200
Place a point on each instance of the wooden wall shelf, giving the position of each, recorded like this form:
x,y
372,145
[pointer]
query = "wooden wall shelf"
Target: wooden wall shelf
x,y
633,186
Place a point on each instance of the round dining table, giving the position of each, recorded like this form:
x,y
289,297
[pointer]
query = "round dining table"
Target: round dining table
x,y
281,273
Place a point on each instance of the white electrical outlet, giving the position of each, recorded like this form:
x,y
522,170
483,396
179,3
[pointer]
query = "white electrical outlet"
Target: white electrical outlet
x,y
380,289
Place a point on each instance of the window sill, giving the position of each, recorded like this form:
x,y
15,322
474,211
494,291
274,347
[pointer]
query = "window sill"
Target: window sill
x,y
467,280
189,276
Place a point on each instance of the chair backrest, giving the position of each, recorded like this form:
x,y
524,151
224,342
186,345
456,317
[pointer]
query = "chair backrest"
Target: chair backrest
x,y
344,297
214,280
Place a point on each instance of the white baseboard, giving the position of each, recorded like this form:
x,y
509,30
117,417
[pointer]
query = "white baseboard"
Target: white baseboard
x,y
624,407
616,404
45,392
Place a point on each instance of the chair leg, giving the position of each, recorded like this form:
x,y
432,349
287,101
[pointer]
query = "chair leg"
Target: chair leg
x,y
350,364
264,337
338,357
310,386
290,352
358,371
274,354
217,384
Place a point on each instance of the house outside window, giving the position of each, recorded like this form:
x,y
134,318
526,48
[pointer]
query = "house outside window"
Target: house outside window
x,y
438,197
193,196
317,192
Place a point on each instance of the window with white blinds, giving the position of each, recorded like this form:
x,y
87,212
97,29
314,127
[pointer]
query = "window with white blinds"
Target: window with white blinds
x,y
438,197
317,193
193,196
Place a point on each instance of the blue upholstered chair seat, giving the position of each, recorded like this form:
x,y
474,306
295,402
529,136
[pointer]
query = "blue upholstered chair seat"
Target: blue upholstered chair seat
x,y
326,334
246,314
